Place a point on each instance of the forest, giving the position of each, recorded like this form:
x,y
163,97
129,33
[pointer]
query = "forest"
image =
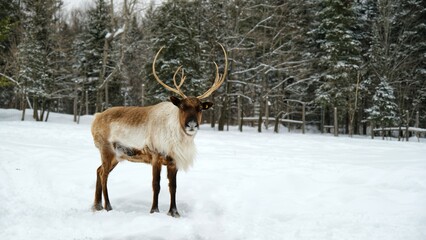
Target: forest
x,y
364,58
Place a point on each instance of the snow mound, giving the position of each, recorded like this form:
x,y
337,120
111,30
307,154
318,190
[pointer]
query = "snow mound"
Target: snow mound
x,y
242,186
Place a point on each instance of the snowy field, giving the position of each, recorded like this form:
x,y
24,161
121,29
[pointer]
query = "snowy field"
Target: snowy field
x,y
244,186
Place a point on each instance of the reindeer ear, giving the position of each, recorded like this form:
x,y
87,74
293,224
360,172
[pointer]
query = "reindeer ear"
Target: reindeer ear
x,y
207,105
176,101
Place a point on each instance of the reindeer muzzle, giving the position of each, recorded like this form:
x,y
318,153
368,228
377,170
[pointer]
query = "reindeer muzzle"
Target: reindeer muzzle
x,y
191,126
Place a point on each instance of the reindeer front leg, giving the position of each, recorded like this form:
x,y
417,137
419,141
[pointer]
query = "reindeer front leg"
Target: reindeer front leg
x,y
156,177
171,175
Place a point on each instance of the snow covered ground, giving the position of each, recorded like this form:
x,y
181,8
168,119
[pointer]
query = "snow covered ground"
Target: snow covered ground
x,y
242,186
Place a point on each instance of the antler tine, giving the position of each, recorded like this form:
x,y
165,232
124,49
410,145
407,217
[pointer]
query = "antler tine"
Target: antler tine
x,y
177,91
182,79
219,79
174,76
216,82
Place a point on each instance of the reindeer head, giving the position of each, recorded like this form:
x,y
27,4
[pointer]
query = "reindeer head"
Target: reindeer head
x,y
190,108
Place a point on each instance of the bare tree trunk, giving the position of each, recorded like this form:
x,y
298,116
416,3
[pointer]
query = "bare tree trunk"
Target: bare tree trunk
x,y
288,116
417,125
260,121
212,120
406,127
23,105
75,106
103,83
48,111
336,125
266,112
399,131
212,113
35,109
240,114
43,108
383,132
223,111
352,110
277,122
322,119
228,104
80,111
87,102
303,118
23,113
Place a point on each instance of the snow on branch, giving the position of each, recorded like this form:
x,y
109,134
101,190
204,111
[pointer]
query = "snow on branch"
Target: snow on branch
x,y
11,79
19,85
119,31
260,67
279,84
112,35
244,83
267,6
241,95
259,24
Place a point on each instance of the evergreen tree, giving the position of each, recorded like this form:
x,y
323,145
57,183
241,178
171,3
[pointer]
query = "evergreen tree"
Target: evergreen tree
x,y
384,109
411,20
93,41
324,52
366,14
135,56
177,25
9,34
35,50
9,17
397,51
339,52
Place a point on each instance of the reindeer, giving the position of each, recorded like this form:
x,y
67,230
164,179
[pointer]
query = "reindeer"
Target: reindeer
x,y
161,134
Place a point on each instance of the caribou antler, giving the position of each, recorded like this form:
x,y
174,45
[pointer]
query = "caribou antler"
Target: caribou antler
x,y
219,79
177,90
182,79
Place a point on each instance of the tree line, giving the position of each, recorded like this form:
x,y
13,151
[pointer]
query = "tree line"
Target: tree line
x,y
366,58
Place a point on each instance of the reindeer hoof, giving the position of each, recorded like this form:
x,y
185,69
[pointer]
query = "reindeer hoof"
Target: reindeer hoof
x,y
154,210
97,207
174,213
108,207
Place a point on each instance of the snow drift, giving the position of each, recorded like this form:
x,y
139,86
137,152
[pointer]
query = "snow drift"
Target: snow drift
x,y
242,186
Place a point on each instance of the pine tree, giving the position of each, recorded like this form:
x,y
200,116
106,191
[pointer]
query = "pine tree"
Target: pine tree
x,y
339,52
397,51
135,55
11,93
411,20
93,38
9,17
177,26
366,14
80,64
384,109
35,50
